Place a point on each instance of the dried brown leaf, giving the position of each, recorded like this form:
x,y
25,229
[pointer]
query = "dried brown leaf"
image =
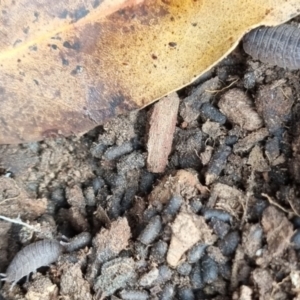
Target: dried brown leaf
x,y
68,66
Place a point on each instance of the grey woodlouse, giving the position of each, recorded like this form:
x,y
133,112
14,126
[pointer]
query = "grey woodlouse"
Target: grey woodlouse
x,y
32,257
278,45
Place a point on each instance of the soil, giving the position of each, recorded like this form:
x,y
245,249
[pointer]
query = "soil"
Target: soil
x,y
221,222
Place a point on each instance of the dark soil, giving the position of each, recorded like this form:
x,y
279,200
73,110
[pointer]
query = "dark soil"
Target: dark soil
x,y
222,221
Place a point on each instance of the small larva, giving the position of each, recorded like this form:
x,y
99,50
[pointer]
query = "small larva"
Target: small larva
x,y
186,294
196,252
184,268
229,244
134,295
159,251
209,269
173,205
278,45
168,292
32,257
196,277
79,241
151,232
209,213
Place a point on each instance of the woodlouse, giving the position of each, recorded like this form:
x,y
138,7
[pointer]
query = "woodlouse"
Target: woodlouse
x,y
32,257
278,45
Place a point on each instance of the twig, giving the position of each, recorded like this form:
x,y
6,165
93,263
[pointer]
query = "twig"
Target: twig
x,y
275,203
9,199
223,89
161,132
19,222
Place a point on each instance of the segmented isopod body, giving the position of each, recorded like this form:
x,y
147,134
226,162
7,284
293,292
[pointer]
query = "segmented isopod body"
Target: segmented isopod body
x,y
32,257
278,45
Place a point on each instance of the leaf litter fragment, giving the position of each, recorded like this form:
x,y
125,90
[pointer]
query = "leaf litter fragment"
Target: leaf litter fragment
x,y
183,182
187,229
278,230
162,128
115,274
107,244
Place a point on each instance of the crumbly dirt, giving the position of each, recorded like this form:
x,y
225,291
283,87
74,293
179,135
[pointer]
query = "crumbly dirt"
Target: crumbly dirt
x,y
221,222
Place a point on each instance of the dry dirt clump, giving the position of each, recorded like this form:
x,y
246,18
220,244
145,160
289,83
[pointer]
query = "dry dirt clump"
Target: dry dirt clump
x,y
216,218
181,241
